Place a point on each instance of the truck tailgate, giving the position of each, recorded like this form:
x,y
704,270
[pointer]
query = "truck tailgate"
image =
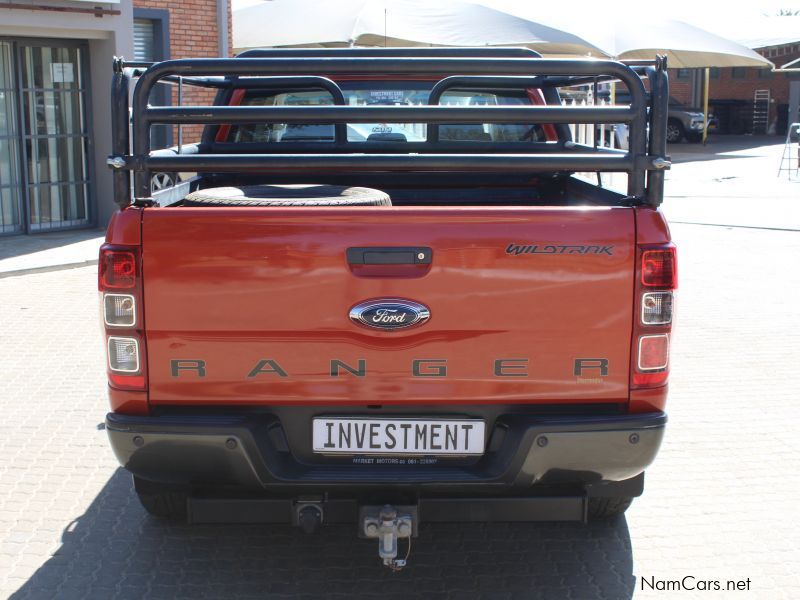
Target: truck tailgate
x,y
250,305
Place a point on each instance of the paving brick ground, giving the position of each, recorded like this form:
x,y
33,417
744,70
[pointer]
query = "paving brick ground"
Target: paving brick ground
x,y
720,502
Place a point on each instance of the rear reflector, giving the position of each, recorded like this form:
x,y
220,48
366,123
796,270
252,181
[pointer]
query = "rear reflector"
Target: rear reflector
x,y
657,308
123,354
119,310
653,352
117,269
659,268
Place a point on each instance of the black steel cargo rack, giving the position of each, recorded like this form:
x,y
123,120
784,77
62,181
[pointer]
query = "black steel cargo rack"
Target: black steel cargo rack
x,y
460,68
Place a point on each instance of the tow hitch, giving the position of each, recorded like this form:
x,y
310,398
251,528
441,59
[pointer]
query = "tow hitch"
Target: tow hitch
x,y
388,524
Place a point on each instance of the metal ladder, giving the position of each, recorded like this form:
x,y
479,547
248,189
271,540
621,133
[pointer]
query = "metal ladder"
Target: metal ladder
x,y
761,100
790,161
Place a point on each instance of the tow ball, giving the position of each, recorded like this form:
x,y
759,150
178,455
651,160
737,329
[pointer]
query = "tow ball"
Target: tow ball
x,y
388,526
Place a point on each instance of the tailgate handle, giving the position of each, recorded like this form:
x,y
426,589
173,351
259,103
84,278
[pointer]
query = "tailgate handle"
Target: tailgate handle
x,y
390,255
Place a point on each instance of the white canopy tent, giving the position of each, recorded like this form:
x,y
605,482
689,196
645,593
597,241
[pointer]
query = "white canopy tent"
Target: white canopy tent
x,y
640,35
559,31
309,23
555,32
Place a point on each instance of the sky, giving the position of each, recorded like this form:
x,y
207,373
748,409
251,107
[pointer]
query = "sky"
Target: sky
x,y
734,19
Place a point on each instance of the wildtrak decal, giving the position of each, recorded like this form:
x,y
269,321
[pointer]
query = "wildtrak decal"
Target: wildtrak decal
x,y
419,367
518,249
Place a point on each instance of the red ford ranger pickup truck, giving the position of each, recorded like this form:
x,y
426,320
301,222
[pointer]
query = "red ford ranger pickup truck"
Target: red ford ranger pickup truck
x,y
387,288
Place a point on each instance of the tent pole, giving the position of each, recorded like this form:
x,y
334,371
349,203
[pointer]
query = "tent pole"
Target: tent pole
x,y
613,94
706,77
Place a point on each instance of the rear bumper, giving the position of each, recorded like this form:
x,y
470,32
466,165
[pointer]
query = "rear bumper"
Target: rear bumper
x,y
250,451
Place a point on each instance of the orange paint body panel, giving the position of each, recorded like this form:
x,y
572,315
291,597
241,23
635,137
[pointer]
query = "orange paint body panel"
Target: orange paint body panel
x,y
651,227
125,227
128,402
232,287
648,400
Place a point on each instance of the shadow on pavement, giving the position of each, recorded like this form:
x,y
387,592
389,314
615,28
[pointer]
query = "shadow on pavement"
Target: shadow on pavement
x,y
678,157
719,145
116,551
21,245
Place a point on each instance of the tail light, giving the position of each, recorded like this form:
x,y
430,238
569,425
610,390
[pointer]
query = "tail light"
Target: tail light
x,y
659,268
119,310
123,354
120,284
657,308
653,352
117,269
657,272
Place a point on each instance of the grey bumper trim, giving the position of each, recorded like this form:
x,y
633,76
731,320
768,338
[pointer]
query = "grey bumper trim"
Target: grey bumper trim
x,y
237,451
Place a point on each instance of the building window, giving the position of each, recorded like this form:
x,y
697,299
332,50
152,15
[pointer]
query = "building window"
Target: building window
x,y
44,151
714,72
144,40
738,72
10,187
683,74
765,73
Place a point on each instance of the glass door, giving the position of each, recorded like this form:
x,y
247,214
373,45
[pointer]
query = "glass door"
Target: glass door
x,y
10,213
54,134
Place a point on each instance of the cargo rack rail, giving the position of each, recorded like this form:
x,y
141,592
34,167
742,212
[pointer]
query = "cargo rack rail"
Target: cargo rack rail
x,y
460,68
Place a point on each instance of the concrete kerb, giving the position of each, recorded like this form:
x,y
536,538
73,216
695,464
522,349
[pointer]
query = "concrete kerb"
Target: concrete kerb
x,y
41,253
47,269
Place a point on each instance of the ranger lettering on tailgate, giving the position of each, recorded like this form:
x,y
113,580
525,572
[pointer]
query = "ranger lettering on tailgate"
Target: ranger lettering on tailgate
x,y
430,367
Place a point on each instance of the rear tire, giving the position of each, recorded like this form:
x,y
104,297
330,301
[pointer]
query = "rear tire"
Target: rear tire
x,y
161,499
288,195
604,508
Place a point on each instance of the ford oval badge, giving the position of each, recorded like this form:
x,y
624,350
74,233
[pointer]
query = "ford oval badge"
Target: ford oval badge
x,y
389,313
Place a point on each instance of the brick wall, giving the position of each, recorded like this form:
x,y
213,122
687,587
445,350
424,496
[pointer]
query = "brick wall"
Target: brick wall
x,y
680,89
194,33
742,88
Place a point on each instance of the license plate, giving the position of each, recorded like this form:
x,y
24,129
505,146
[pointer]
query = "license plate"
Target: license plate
x,y
398,436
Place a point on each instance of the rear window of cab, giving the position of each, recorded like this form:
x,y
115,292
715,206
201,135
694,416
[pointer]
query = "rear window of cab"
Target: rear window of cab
x,y
387,94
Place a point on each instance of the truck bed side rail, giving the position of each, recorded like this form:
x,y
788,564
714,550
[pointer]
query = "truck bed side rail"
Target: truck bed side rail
x,y
267,69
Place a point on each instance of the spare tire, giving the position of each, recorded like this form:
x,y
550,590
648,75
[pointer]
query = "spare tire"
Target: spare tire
x,y
288,195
